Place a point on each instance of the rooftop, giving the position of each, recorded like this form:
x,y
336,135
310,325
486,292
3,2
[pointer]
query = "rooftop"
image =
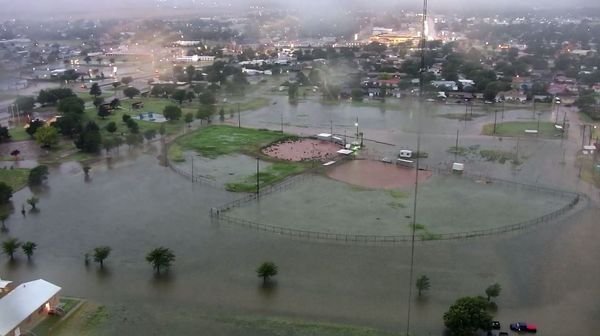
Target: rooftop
x,y
24,300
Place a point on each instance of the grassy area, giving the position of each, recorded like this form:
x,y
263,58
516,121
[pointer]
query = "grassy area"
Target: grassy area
x,y
253,104
497,155
150,105
16,178
517,129
47,326
277,326
275,173
88,97
18,133
218,140
175,153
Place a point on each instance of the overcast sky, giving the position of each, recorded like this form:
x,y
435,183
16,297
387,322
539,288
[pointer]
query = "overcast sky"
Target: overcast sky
x,y
105,8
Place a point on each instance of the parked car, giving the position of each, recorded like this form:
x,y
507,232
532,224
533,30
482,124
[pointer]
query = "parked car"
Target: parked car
x,y
522,326
503,333
495,325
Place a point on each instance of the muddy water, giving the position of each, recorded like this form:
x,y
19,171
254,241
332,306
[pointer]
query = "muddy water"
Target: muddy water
x,y
549,274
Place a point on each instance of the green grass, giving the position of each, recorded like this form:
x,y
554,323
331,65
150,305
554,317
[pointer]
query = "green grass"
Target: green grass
x,y
279,327
398,194
47,326
175,153
497,155
18,133
218,140
16,178
517,129
253,104
273,174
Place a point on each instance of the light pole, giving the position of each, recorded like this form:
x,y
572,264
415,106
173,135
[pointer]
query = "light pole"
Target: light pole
x,y
495,117
239,117
356,124
257,177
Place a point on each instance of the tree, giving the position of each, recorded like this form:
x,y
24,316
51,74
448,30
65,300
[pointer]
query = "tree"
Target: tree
x,y
190,95
188,117
493,291
179,96
422,284
162,130
266,270
160,257
28,248
34,125
4,134
115,103
5,193
100,254
134,128
172,112
33,201
207,98
467,315
69,124
103,111
126,80
15,154
10,246
25,103
133,139
111,127
3,218
222,114
190,70
205,112
38,175
71,104
47,136
357,95
98,101
89,139
315,76
95,90
150,134
293,92
131,92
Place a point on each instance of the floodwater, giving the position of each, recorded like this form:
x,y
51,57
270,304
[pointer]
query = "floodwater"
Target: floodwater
x,y
549,274
451,204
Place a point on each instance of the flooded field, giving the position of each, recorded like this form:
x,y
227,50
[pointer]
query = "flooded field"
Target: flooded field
x,y
447,204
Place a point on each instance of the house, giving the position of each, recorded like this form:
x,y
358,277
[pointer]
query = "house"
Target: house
x,y
5,287
23,307
512,96
450,85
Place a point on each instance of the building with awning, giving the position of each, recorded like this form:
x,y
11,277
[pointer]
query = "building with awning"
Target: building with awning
x,y
23,307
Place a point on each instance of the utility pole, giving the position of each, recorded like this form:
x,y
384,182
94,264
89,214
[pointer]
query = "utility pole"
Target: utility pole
x,y
239,117
356,124
192,169
503,109
456,147
495,117
257,177
517,154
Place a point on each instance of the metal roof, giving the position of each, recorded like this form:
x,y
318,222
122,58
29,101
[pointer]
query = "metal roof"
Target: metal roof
x,y
24,300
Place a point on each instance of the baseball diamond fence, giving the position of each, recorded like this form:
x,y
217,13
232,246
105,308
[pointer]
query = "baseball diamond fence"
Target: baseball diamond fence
x,y
220,213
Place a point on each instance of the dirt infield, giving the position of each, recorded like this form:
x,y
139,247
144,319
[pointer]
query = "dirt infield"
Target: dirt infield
x,y
376,174
305,149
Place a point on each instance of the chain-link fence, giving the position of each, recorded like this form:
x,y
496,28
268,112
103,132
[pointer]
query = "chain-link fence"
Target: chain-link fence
x,y
221,214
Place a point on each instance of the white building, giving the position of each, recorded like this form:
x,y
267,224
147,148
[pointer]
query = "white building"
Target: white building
x,y
22,308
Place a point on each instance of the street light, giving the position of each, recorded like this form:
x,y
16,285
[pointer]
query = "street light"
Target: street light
x,y
356,124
